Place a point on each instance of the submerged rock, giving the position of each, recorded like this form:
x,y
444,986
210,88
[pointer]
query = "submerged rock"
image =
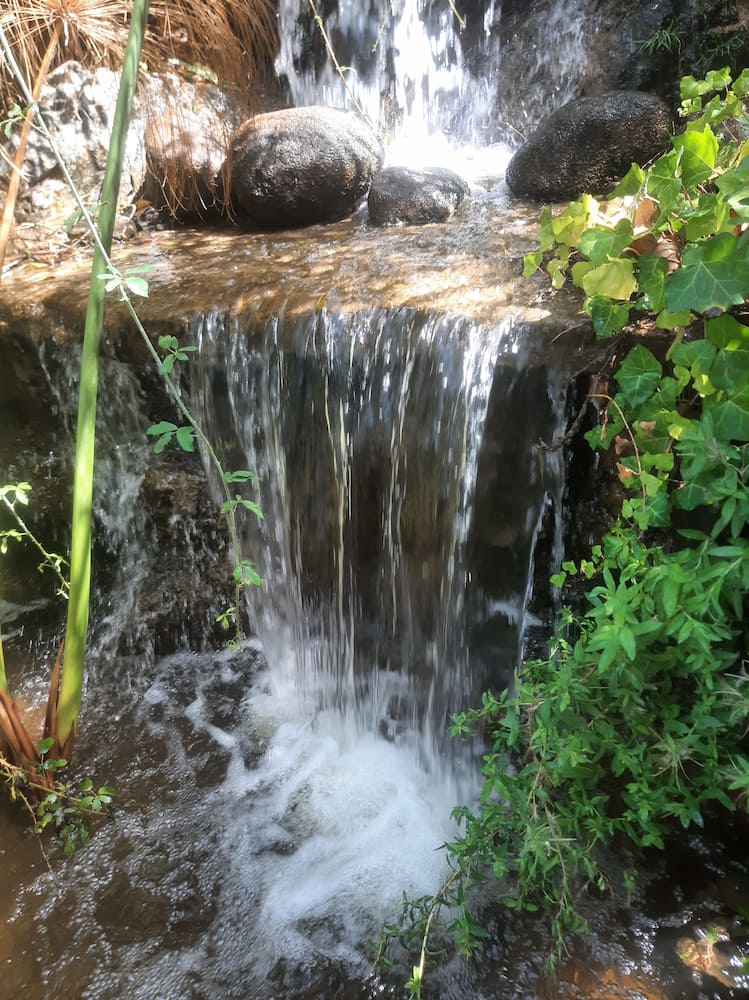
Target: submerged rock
x,y
302,166
589,144
415,197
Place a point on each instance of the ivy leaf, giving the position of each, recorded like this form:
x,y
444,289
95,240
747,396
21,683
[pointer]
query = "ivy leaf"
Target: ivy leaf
x,y
731,417
651,276
570,224
607,316
714,274
614,279
734,186
666,320
638,376
698,154
663,184
731,372
697,355
531,263
728,333
599,243
630,184
713,215
546,238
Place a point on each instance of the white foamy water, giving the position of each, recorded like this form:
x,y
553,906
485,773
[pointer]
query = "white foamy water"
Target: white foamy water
x,y
276,850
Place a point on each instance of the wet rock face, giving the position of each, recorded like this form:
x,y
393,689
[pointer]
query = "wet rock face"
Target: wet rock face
x,y
302,166
414,197
588,145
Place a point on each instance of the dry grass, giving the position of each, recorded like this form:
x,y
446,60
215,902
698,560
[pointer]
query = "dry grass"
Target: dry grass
x,y
232,38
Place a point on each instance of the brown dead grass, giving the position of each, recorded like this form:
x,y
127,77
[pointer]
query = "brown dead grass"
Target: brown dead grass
x,y
231,38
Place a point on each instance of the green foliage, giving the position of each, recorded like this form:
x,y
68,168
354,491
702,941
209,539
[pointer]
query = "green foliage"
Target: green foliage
x,y
671,238
14,119
636,721
55,804
667,38
12,495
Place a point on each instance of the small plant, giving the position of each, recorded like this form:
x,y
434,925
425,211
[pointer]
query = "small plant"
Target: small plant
x,y
55,804
667,38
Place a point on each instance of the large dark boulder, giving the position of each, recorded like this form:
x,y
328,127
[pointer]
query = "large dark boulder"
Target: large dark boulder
x,y
414,197
302,166
589,144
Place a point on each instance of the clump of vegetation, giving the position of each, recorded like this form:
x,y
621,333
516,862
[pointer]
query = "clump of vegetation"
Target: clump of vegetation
x,y
31,775
636,722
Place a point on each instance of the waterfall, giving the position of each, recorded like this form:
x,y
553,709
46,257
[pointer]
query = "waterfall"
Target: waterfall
x,y
365,433
438,73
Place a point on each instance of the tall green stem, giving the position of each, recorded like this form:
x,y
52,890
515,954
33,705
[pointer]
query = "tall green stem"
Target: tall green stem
x,y
71,686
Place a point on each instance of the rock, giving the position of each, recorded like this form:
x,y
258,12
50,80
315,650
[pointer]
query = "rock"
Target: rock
x,y
588,145
78,106
415,197
302,166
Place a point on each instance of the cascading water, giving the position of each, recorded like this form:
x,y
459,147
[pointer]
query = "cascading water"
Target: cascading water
x,y
365,434
436,77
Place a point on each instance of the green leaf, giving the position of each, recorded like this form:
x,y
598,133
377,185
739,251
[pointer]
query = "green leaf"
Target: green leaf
x,y
246,574
638,376
162,443
615,280
569,225
698,154
666,320
697,355
557,272
714,274
718,79
578,271
630,184
240,476
546,238
599,243
731,417
734,186
728,333
166,364
531,263
663,184
186,438
138,286
163,427
712,215
651,276
168,343
607,316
